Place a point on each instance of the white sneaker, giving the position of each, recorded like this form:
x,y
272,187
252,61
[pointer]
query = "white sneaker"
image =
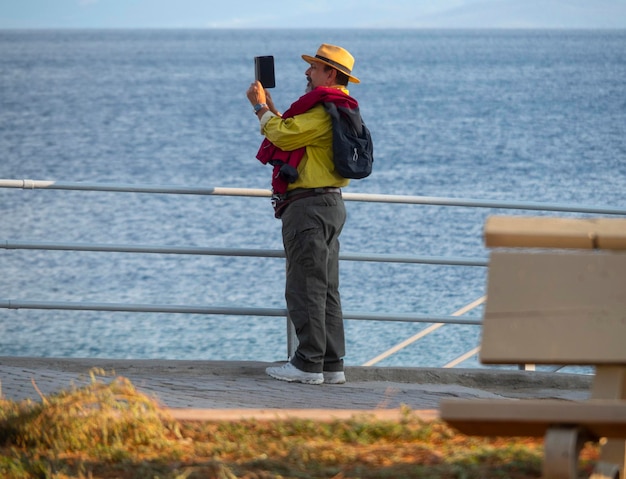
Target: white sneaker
x,y
334,377
288,372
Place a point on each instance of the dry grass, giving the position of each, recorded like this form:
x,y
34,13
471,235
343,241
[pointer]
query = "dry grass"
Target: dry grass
x,y
110,430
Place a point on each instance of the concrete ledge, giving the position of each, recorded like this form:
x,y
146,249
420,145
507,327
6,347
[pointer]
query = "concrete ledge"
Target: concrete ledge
x,y
243,385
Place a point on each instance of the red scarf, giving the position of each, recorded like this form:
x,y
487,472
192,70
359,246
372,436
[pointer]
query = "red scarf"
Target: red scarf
x,y
270,153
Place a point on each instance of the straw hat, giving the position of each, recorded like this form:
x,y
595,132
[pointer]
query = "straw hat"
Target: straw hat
x,y
336,57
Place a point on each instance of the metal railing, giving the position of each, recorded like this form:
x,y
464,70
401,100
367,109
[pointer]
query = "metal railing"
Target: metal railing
x,y
438,321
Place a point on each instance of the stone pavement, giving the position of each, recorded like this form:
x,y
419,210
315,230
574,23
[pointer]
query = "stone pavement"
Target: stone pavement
x,y
231,389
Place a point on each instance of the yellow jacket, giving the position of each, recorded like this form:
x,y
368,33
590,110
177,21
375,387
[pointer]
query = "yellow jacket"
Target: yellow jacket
x,y
312,130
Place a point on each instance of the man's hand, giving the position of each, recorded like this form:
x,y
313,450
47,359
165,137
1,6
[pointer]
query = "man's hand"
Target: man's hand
x,y
256,93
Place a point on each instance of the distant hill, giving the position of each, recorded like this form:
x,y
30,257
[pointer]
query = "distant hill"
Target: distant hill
x,y
529,14
463,14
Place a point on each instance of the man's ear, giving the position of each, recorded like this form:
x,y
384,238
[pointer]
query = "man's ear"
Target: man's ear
x,y
332,76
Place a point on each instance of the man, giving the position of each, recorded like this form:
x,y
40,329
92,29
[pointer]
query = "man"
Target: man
x,y
299,146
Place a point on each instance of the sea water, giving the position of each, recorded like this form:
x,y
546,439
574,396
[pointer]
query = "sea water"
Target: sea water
x,y
502,115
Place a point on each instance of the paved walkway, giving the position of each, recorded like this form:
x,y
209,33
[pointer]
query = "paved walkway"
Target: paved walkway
x,y
228,390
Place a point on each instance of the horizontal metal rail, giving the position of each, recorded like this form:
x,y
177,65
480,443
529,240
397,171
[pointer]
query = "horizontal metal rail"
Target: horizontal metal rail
x,y
260,253
222,310
272,312
364,197
129,188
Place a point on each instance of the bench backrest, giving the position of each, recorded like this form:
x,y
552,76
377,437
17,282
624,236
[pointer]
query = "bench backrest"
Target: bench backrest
x,y
555,307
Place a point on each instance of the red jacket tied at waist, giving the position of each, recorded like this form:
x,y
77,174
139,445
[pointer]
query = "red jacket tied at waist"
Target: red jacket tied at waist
x,y
270,153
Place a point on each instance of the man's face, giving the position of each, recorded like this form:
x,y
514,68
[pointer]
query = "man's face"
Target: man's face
x,y
317,75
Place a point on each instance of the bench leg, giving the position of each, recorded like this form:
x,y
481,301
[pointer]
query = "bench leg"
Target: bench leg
x,y
609,382
613,452
561,448
604,470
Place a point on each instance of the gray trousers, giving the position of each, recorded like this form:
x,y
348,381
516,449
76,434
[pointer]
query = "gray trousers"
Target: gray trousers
x,y
311,228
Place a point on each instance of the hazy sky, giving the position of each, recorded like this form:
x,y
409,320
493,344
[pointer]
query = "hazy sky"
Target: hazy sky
x,y
312,14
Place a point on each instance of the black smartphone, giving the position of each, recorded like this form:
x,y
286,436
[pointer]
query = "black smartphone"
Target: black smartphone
x,y
264,71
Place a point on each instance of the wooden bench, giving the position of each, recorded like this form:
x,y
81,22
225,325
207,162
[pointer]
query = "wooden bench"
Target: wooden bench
x,y
557,307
